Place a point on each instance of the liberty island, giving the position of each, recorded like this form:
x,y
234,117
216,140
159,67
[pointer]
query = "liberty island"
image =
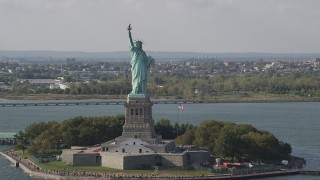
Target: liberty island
x,y
138,147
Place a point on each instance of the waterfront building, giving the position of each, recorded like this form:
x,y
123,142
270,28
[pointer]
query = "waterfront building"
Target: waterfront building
x,y
49,83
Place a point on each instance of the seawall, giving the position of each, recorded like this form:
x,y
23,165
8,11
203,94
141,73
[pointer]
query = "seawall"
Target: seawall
x,y
28,171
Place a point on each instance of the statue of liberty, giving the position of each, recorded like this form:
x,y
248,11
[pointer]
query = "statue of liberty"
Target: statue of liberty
x,y
140,62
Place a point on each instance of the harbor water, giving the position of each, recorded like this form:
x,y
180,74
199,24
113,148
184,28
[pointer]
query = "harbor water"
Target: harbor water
x,y
295,123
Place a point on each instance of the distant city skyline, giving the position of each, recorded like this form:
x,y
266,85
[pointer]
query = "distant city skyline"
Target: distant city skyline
x,y
213,26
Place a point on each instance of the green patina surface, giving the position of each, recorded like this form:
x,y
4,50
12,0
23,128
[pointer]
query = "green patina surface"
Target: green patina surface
x,y
140,62
137,96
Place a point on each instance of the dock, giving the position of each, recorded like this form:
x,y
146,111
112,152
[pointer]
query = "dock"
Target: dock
x,y
7,138
310,172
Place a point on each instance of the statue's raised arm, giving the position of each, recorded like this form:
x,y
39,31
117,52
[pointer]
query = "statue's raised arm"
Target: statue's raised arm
x,y
130,37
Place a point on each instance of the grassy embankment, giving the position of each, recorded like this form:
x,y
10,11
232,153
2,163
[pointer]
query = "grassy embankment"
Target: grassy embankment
x,y
61,166
221,97
259,97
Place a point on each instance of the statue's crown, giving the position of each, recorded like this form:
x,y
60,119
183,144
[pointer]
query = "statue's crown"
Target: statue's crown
x,y
139,41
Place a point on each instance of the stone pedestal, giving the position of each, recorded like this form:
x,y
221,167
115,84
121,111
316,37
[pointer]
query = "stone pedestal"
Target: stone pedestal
x,y
139,123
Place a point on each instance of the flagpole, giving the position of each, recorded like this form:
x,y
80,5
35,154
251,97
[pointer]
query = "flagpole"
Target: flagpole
x,y
180,107
178,122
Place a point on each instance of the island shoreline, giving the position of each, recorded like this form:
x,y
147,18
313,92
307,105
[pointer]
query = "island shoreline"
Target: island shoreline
x,y
44,175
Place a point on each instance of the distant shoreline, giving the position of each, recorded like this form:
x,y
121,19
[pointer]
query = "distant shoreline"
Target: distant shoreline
x,y
166,55
25,103
220,98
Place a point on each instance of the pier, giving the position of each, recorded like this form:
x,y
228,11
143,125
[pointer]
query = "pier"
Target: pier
x,y
7,138
310,172
85,102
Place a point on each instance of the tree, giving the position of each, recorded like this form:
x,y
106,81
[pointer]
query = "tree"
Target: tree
x,y
269,147
231,84
206,133
22,141
186,138
230,140
164,128
88,135
35,129
70,136
47,141
67,79
79,131
84,131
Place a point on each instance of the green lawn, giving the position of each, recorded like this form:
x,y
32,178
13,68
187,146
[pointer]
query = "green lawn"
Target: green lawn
x,y
25,154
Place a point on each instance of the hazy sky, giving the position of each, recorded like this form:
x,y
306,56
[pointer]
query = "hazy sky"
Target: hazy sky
x,y
164,25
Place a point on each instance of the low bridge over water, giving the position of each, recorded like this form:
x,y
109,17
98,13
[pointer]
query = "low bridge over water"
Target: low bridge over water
x,y
85,102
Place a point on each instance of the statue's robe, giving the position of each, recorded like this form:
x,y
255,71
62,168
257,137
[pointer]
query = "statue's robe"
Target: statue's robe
x,y
140,62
